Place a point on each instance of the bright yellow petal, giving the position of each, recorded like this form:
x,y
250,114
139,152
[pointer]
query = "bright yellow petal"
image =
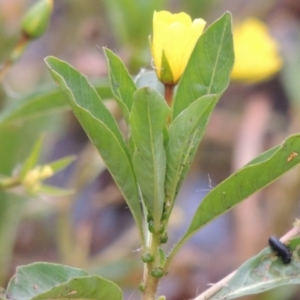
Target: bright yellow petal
x,y
169,18
176,35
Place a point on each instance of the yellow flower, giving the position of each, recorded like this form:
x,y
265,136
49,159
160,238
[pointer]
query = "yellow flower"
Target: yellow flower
x,y
174,38
256,52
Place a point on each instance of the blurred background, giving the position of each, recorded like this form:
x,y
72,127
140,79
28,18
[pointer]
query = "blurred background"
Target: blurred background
x,y
92,228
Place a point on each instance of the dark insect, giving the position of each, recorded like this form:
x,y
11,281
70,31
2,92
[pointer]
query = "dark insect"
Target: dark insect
x,y
282,250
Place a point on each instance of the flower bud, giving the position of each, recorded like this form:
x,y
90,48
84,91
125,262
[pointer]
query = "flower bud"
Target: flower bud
x,y
36,19
157,273
164,238
142,287
147,258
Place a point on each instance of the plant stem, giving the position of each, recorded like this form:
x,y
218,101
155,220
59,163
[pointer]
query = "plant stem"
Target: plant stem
x,y
8,183
14,55
5,69
151,283
150,287
169,89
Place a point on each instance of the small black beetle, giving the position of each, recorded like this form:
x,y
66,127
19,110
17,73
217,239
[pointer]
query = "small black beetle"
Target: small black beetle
x,y
281,249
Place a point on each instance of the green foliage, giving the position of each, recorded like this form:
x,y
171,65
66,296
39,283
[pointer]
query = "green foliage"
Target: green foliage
x,y
122,84
209,67
39,104
61,163
202,84
261,273
185,134
254,176
42,281
22,123
42,103
150,161
147,120
102,130
32,159
11,210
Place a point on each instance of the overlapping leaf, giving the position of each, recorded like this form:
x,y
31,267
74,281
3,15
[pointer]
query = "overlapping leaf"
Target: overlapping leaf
x,y
185,134
147,121
42,103
209,66
254,176
11,210
102,130
204,80
262,272
43,281
122,84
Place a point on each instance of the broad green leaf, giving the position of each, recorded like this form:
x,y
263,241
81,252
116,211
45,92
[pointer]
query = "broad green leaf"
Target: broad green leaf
x,y
254,176
185,134
209,66
42,103
102,130
61,163
122,84
11,210
84,288
44,281
262,272
32,159
147,121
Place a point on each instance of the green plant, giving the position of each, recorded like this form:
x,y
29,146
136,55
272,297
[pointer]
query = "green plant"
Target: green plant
x,y
150,163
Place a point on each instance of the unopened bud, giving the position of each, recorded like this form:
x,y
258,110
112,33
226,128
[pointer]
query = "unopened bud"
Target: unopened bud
x,y
36,19
157,273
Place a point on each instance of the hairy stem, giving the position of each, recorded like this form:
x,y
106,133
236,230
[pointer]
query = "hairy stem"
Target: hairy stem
x,y
151,282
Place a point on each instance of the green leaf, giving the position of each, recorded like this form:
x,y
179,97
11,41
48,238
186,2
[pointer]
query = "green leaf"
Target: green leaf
x,y
32,159
209,66
147,120
185,134
254,176
102,130
44,102
11,210
61,163
262,272
43,281
121,82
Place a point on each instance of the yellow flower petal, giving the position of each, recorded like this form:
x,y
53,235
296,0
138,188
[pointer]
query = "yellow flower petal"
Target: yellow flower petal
x,y
176,36
256,52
